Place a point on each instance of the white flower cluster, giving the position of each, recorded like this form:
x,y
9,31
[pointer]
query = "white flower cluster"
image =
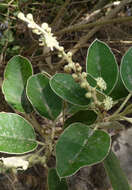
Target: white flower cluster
x,y
108,103
46,37
15,162
101,83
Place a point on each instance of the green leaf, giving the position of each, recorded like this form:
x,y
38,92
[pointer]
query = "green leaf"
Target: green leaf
x,y
91,80
102,63
79,146
87,117
17,71
115,173
43,99
54,182
72,109
16,134
65,87
126,70
119,91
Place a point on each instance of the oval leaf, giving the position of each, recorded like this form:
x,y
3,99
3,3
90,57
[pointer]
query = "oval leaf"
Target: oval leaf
x,y
78,146
115,173
102,63
65,87
17,71
119,90
54,182
43,99
16,134
87,117
126,70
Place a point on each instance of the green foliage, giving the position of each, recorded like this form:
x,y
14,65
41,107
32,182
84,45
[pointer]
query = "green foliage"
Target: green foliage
x,y
126,70
17,71
79,146
47,103
83,118
54,182
102,63
16,134
119,90
65,87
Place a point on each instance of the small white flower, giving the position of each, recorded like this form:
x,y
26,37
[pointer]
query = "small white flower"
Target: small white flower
x,y
67,69
44,25
61,48
88,95
83,84
30,17
108,103
15,162
48,30
71,65
69,54
84,75
101,83
51,41
60,55
21,16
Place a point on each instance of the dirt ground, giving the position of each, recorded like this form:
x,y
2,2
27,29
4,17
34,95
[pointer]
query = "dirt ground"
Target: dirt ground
x,y
62,16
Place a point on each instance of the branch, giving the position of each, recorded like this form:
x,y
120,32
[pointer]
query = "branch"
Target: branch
x,y
97,23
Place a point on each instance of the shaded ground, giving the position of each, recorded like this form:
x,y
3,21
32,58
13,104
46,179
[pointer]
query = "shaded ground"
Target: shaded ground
x,y
60,15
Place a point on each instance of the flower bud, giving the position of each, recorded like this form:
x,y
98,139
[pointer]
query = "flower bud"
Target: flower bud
x,y
48,30
67,69
88,95
77,65
59,55
84,75
21,16
44,26
79,69
83,84
71,65
75,77
69,54
61,48
30,17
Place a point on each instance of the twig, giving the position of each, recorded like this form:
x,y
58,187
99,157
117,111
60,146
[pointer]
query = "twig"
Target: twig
x,y
90,25
123,104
